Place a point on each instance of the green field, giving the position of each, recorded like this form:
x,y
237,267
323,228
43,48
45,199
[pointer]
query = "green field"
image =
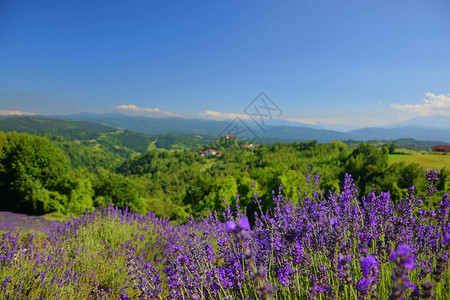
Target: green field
x,y
423,158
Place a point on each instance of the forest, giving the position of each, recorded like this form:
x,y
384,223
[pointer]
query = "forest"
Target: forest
x,y
77,168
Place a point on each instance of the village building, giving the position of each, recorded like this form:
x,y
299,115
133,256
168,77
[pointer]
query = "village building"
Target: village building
x,y
441,148
210,152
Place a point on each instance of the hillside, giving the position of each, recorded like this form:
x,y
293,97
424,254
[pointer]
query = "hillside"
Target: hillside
x,y
108,137
69,129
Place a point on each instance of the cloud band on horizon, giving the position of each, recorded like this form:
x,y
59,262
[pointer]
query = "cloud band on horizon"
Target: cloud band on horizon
x,y
15,113
220,116
145,111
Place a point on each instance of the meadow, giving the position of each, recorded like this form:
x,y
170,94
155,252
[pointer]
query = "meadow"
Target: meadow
x,y
315,245
425,159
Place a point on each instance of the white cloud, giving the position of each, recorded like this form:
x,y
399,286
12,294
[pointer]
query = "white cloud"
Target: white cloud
x,y
15,113
217,115
431,105
145,111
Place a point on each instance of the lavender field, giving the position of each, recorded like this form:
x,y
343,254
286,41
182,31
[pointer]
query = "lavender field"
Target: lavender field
x,y
314,246
20,222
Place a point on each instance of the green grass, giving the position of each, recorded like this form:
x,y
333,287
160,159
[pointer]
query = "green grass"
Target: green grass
x,y
425,159
56,216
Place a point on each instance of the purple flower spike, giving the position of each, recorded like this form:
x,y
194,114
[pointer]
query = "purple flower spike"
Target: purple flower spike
x,y
230,225
432,175
408,262
363,285
403,257
402,250
244,224
369,266
446,238
334,221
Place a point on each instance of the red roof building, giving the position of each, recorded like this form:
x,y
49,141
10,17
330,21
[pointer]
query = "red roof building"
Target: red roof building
x,y
210,152
441,148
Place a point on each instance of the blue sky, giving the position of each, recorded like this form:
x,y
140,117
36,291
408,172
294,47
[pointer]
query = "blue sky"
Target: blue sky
x,y
334,63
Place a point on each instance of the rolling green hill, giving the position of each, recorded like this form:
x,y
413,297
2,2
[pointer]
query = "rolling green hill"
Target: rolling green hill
x,y
124,142
71,130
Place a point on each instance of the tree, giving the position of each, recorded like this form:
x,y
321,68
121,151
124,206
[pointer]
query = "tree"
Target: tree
x,y
392,147
367,165
80,191
118,190
32,174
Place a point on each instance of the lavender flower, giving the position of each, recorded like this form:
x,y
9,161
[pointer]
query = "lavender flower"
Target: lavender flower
x,y
432,175
369,268
306,248
403,256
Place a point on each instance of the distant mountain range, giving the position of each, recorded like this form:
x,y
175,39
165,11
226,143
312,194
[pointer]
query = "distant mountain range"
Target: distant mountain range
x,y
284,133
437,121
435,128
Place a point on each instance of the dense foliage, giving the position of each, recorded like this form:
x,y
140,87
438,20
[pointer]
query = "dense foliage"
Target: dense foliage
x,y
36,177
316,245
42,174
32,174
